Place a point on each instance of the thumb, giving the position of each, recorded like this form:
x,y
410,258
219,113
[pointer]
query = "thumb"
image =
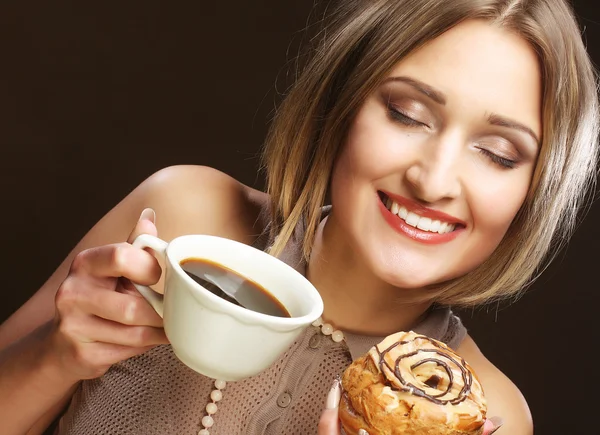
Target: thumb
x,y
491,425
144,225
329,421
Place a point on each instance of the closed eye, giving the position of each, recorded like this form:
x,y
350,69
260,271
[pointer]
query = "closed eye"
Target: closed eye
x,y
404,119
504,162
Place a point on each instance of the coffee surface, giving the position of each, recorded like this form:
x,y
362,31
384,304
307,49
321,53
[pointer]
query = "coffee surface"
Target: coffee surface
x,y
233,287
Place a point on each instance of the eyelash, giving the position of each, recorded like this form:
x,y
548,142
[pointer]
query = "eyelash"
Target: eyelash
x,y
505,163
404,119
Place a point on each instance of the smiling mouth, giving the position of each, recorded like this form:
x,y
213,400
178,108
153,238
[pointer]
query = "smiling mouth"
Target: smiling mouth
x,y
415,220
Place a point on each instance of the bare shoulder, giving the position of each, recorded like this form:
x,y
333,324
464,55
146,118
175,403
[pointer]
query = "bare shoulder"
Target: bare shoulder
x,y
186,199
199,199
504,399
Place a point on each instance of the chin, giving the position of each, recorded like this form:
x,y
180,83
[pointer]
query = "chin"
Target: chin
x,y
404,274
415,282
401,279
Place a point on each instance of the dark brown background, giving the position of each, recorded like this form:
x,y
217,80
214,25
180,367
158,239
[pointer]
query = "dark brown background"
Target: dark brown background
x,y
95,96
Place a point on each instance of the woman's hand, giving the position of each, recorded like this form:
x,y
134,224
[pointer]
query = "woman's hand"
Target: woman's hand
x,y
329,424
100,318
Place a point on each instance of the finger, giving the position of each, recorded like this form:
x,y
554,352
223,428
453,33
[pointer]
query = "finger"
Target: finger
x,y
118,260
145,225
104,355
127,309
96,330
126,287
329,421
491,425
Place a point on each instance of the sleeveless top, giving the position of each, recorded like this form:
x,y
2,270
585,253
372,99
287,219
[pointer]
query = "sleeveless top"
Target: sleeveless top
x,y
156,394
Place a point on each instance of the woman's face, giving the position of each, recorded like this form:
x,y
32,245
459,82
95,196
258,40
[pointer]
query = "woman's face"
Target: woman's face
x,y
440,157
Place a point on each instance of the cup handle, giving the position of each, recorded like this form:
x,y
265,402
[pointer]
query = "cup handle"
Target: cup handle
x,y
159,246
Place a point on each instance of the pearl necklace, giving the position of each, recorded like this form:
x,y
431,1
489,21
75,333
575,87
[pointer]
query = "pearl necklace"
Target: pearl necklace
x,y
327,329
216,395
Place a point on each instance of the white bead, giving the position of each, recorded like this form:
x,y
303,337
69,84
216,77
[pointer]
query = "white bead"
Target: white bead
x,y
327,329
337,336
211,408
203,432
207,421
318,322
216,395
220,385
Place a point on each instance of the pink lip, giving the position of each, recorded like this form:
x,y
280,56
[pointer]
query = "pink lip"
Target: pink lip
x,y
427,237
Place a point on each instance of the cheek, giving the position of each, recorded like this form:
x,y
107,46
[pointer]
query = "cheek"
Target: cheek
x,y
357,157
358,166
344,175
373,150
349,166
495,207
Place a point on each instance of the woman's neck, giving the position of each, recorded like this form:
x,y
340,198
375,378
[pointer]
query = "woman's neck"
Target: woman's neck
x,y
355,299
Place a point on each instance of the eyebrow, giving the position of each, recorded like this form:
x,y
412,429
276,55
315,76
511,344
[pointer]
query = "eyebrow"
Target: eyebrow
x,y
501,121
423,88
440,98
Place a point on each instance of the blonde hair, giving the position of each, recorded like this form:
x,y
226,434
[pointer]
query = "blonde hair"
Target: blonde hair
x,y
360,45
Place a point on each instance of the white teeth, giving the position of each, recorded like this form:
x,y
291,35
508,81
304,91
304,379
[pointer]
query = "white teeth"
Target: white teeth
x,y
446,228
414,220
424,224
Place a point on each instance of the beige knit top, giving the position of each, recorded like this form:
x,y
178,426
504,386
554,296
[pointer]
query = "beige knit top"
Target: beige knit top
x,y
156,394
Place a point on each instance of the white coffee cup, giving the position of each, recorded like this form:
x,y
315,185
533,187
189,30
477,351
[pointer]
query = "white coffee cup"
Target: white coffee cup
x,y
215,337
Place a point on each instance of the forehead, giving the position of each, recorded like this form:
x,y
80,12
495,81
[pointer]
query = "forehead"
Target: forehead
x,y
482,69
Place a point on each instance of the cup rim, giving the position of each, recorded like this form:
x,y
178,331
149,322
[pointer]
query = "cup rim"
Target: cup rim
x,y
253,316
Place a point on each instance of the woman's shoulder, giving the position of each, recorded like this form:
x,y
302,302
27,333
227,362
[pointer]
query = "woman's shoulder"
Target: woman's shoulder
x,y
504,399
191,199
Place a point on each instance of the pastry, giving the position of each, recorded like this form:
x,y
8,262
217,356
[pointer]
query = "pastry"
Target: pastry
x,y
411,384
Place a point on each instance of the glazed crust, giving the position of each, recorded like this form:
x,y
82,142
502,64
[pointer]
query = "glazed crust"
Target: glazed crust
x,y
372,401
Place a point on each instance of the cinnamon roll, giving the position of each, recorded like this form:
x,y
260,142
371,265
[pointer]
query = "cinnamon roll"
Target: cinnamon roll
x,y
411,384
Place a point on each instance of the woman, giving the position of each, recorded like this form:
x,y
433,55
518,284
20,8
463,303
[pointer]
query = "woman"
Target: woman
x,y
455,140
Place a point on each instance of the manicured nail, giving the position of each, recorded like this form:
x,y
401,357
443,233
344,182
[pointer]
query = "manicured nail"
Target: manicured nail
x,y
498,422
362,432
333,398
148,214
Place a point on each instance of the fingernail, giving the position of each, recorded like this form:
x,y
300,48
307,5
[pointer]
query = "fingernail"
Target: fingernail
x,y
498,421
333,398
148,214
362,432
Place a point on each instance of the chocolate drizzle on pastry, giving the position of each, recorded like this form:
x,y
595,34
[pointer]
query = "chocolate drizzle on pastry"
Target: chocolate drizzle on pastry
x,y
446,363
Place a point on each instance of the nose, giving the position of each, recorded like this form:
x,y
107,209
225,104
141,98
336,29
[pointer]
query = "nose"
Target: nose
x,y
434,175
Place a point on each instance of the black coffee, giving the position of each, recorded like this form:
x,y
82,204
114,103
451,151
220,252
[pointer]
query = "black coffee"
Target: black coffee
x,y
233,287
